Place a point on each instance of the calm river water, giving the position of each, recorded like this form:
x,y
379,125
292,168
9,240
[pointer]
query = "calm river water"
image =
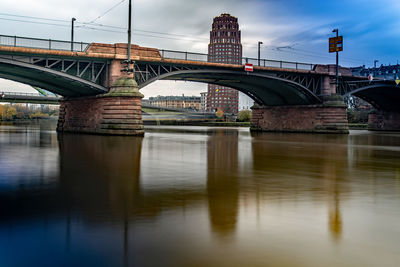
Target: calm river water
x,y
197,196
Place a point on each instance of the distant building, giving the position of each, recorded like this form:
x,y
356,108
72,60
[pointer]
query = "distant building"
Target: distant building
x,y
225,47
179,102
203,101
389,72
245,102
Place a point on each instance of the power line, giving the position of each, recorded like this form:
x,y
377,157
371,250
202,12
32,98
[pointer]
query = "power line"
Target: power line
x,y
38,18
146,33
36,22
87,24
108,10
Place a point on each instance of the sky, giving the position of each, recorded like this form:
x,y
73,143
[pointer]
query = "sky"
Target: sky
x,y
289,29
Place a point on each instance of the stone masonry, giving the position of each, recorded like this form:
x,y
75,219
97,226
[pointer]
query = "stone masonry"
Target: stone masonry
x,y
115,113
330,117
384,121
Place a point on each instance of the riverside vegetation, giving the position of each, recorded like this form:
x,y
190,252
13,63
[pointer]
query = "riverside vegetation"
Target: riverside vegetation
x,y
23,112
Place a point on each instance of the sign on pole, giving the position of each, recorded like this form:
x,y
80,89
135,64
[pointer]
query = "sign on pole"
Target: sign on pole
x,y
335,44
248,67
397,80
370,77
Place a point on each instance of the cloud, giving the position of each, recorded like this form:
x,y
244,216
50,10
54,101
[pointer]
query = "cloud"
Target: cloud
x,y
370,30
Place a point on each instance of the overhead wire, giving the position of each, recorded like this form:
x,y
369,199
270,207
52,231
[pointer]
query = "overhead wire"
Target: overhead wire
x,y
35,22
154,34
107,11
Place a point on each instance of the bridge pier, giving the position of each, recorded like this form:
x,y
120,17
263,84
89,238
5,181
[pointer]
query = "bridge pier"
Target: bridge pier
x,y
115,113
330,117
384,121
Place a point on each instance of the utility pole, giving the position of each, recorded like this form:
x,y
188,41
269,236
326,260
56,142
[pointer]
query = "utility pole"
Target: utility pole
x,y
129,35
259,44
72,34
337,62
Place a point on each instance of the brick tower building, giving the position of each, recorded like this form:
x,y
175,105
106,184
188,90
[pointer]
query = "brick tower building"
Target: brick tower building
x,y
224,47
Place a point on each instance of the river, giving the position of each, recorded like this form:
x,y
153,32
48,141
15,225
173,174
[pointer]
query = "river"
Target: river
x,y
198,196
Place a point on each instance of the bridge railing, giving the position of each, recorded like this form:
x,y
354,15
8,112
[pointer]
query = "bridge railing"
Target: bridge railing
x,y
3,94
17,41
180,55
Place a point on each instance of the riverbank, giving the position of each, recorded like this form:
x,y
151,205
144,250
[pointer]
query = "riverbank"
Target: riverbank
x,y
197,123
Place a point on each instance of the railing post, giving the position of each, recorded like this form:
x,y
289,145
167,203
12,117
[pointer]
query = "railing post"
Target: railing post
x,y
81,47
49,44
280,64
264,62
15,40
186,55
162,54
296,65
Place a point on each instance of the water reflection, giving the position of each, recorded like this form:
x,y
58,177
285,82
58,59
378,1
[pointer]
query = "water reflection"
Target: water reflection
x,y
298,167
101,177
222,181
198,196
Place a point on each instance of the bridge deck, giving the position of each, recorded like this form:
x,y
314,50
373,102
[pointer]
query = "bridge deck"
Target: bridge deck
x,y
145,54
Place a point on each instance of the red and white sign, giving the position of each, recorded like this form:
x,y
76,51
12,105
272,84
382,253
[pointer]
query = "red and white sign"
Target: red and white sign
x,y
248,67
370,77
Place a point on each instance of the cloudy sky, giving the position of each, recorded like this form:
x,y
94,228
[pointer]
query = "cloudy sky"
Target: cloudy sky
x,y
292,30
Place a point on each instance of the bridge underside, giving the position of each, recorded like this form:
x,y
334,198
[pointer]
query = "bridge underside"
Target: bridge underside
x,y
54,81
385,98
382,97
264,89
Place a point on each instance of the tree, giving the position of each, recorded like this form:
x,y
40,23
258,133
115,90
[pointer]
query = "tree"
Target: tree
x,y
11,113
2,112
244,115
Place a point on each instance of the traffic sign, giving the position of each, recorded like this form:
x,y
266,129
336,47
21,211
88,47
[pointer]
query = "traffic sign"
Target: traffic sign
x,y
248,67
335,44
397,80
370,77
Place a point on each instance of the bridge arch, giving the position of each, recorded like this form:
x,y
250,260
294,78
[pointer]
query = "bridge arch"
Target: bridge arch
x,y
381,96
262,88
57,82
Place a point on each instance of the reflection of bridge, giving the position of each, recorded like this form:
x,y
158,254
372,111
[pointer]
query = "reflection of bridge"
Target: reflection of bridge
x,y
93,69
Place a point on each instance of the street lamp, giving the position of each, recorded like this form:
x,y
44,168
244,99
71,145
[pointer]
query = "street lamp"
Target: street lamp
x,y
375,61
337,61
259,44
72,33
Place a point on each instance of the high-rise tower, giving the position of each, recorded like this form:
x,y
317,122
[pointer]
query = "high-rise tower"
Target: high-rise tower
x,y
224,47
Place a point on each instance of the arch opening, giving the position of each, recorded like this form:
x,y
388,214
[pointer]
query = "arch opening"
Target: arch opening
x,y
381,96
263,89
54,81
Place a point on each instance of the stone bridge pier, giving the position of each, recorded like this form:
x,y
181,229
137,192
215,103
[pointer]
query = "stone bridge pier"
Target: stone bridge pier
x,y
330,116
384,121
117,112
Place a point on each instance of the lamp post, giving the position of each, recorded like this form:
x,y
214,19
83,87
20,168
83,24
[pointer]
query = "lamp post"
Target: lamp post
x,y
375,61
72,33
337,61
259,44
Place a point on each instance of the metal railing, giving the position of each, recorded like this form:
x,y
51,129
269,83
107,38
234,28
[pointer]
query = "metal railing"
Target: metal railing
x,y
3,94
180,55
17,41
